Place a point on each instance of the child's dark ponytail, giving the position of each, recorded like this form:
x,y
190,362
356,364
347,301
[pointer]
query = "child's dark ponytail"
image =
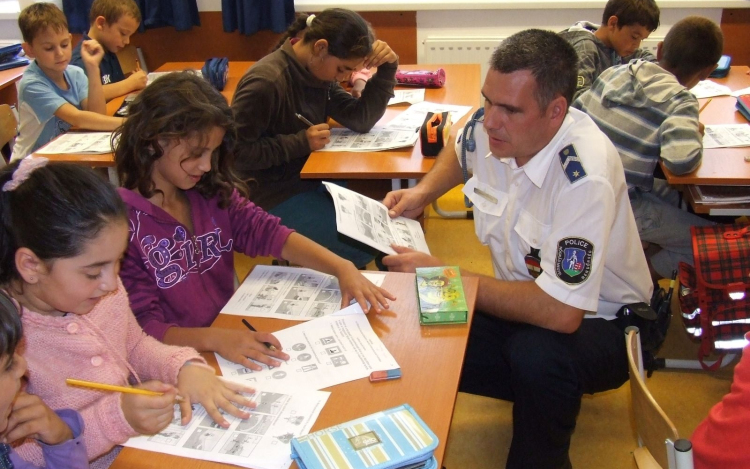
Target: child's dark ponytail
x,y
299,24
348,34
10,327
53,210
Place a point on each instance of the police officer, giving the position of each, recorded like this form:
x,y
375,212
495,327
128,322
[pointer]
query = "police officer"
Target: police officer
x,y
550,201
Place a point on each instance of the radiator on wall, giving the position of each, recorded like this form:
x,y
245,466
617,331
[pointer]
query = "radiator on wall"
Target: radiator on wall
x,y
478,49
461,50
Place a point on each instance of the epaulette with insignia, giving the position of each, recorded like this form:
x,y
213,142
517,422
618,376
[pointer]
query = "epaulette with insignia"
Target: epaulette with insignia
x,y
571,163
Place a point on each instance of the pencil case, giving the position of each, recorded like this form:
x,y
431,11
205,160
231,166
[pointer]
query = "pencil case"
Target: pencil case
x,y
743,105
9,57
426,78
722,67
396,438
434,132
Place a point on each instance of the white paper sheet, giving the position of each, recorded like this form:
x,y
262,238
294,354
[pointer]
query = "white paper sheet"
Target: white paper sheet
x,y
377,139
709,89
260,442
730,135
154,75
331,350
289,293
741,92
367,221
407,96
78,142
414,117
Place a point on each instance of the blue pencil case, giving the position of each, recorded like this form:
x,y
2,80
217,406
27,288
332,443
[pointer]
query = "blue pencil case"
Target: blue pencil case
x,y
9,57
392,439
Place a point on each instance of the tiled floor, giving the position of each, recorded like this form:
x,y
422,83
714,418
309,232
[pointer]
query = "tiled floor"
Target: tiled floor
x,y
604,438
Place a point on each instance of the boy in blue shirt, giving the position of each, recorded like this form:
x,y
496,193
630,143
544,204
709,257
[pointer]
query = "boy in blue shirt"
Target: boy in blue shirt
x,y
625,23
112,24
52,95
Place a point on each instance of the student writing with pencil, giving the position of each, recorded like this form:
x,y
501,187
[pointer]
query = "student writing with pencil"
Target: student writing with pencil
x,y
301,77
61,266
647,111
189,215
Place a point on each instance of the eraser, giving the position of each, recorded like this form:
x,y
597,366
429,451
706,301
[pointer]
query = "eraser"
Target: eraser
x,y
747,158
384,375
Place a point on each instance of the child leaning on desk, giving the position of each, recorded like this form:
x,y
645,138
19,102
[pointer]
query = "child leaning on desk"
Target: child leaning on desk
x,y
52,94
64,230
303,78
25,415
189,214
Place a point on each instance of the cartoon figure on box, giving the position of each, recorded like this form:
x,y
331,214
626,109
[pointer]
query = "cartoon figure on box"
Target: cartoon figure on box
x,y
435,291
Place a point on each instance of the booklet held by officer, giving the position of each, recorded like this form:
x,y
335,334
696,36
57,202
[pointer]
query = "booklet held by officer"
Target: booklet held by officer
x,y
367,221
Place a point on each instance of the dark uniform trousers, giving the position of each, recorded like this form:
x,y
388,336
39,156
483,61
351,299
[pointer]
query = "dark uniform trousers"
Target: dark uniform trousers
x,y
544,373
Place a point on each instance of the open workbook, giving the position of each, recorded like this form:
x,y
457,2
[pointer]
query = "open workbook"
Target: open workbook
x,y
367,221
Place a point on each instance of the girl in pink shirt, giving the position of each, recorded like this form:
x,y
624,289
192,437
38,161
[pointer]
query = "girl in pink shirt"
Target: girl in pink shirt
x,y
63,232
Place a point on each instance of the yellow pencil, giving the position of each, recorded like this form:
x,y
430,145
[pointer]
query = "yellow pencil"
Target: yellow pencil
x,y
704,105
112,387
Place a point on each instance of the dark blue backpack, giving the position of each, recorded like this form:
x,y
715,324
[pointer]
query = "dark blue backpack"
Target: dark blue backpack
x,y
215,71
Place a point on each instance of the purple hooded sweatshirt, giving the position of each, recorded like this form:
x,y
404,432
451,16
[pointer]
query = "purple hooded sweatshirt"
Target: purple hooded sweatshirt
x,y
178,278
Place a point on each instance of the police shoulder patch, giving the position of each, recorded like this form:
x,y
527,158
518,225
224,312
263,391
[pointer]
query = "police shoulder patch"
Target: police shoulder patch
x,y
571,163
573,260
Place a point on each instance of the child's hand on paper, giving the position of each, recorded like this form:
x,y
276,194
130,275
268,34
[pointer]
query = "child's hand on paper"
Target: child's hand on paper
x,y
31,418
199,384
240,345
407,260
149,414
318,136
355,286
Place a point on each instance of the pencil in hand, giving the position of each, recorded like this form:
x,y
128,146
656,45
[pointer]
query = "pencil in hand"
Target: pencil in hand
x,y
115,388
268,345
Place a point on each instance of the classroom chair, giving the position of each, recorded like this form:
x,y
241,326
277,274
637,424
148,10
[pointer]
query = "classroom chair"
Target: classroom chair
x,y
8,128
659,445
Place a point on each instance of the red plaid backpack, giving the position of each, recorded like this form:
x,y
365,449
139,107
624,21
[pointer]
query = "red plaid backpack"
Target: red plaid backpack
x,y
713,294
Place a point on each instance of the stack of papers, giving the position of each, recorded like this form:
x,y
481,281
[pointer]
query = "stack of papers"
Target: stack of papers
x,y
720,195
403,131
709,89
289,293
78,143
724,136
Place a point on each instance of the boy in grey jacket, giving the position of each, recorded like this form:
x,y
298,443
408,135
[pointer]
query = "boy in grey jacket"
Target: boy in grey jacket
x,y
647,111
625,23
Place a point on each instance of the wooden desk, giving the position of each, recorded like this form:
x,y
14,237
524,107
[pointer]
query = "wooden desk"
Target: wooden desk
x,y
106,160
462,87
8,79
431,358
720,166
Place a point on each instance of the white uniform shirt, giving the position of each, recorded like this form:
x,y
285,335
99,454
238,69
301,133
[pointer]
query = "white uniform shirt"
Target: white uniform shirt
x,y
569,202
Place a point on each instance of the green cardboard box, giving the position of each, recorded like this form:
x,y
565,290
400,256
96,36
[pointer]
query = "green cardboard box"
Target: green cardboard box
x,y
440,292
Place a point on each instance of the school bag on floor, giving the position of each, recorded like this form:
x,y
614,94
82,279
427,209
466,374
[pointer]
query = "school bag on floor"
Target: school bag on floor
x,y
714,294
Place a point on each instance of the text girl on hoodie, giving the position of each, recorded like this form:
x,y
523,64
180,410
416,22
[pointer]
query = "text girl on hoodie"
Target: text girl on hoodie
x,y
64,230
189,214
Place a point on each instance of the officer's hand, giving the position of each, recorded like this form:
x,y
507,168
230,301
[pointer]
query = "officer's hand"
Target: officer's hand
x,y
406,202
407,260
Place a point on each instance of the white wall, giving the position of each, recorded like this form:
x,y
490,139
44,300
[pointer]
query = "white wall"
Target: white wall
x,y
506,22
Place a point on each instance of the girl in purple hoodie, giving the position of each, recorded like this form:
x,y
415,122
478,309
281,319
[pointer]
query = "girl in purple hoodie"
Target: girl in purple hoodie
x,y
189,213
